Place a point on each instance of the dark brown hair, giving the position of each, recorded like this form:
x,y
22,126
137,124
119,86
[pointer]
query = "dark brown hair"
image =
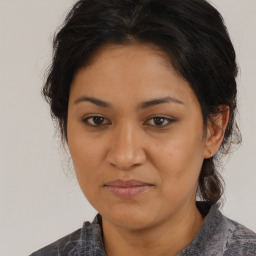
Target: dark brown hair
x,y
190,32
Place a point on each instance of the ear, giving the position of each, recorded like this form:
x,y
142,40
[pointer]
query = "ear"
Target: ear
x,y
216,126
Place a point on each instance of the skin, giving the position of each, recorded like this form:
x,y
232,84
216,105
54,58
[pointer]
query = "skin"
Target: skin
x,y
128,143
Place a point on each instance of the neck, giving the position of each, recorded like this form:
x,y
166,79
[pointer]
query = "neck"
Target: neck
x,y
166,239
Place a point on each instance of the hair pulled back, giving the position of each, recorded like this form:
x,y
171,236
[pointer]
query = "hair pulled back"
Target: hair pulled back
x,y
191,33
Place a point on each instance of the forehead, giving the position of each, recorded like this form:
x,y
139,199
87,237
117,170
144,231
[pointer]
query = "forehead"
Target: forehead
x,y
141,71
109,52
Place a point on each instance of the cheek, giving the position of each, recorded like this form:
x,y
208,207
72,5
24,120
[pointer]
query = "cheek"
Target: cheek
x,y
180,158
183,148
86,163
83,154
83,147
87,158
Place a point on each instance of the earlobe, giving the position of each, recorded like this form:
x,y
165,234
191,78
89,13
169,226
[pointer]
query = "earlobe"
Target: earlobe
x,y
216,126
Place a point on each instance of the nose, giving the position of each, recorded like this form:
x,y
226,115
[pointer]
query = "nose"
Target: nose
x,y
126,150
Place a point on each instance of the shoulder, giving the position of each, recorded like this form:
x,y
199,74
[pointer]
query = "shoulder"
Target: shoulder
x,y
239,239
62,246
220,236
88,238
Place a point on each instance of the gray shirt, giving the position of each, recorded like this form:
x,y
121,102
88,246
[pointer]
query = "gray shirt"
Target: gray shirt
x,y
218,236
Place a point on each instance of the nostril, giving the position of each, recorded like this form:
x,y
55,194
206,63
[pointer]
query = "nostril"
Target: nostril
x,y
126,160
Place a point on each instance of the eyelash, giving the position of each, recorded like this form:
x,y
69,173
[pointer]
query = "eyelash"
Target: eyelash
x,y
169,120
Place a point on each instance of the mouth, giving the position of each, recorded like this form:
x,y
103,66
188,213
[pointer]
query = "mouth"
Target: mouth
x,y
127,188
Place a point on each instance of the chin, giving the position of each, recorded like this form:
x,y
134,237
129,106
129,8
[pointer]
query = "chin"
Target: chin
x,y
130,219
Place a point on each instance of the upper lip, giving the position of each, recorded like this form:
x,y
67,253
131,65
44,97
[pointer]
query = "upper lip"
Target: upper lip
x,y
127,183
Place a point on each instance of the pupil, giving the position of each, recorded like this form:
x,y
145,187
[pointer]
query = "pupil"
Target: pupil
x,y
98,119
158,120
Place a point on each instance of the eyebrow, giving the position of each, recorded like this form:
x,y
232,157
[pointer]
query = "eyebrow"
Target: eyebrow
x,y
158,101
95,101
142,105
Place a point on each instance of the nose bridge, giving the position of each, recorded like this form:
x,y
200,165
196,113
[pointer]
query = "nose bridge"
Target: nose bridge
x,y
126,146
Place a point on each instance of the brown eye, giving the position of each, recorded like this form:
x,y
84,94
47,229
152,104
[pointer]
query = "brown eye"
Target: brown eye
x,y
95,121
160,121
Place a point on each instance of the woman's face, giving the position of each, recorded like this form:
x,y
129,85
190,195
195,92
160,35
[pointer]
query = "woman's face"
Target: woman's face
x,y
136,136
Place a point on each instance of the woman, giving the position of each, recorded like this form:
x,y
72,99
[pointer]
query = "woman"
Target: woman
x,y
144,94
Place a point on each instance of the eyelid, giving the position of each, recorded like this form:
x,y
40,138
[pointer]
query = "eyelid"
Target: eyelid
x,y
85,120
169,119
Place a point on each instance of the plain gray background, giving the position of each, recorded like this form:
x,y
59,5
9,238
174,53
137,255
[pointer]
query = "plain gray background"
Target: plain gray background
x,y
39,202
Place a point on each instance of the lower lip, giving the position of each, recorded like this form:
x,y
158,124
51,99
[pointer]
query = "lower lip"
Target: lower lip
x,y
128,192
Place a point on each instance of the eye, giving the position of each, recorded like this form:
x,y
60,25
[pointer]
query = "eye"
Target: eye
x,y
95,121
160,121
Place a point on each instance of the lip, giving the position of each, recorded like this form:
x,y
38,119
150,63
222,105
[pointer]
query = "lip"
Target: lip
x,y
128,188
